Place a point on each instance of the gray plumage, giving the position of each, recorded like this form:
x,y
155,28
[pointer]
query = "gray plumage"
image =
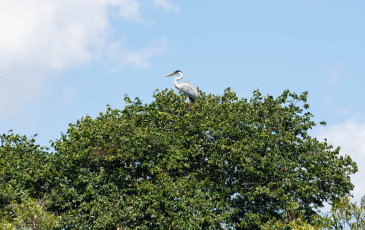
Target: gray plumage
x,y
185,87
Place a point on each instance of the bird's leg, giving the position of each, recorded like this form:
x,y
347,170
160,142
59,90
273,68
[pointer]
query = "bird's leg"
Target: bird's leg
x,y
189,102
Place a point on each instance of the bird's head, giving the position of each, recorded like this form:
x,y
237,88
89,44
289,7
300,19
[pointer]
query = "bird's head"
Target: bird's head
x,y
174,73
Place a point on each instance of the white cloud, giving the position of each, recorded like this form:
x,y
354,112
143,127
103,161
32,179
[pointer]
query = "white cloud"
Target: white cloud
x,y
166,5
42,37
350,136
51,34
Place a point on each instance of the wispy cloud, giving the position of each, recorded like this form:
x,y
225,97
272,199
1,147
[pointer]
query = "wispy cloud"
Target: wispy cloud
x,y
122,55
330,81
166,5
129,9
335,73
350,137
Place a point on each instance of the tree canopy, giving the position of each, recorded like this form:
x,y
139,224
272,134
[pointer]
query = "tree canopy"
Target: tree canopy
x,y
222,162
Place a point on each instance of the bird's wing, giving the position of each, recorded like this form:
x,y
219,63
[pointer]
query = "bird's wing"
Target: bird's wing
x,y
189,90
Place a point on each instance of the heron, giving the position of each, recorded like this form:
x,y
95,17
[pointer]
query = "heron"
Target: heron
x,y
185,87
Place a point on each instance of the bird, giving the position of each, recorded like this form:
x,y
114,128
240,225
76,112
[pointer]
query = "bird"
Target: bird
x,y
185,87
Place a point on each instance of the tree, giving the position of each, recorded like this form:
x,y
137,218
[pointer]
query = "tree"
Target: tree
x,y
222,162
345,215
23,184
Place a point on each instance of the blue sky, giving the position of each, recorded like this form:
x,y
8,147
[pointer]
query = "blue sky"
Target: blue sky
x,y
61,60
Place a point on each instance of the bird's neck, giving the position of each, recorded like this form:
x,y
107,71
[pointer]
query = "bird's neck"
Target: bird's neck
x,y
178,79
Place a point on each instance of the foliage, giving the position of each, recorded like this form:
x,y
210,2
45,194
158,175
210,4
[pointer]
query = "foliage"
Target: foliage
x,y
23,184
297,224
222,162
346,215
29,213
294,221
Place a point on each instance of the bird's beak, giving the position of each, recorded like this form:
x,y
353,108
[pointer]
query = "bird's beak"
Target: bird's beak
x,y
169,75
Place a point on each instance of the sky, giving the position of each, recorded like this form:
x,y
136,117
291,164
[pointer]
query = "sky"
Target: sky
x,y
61,60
